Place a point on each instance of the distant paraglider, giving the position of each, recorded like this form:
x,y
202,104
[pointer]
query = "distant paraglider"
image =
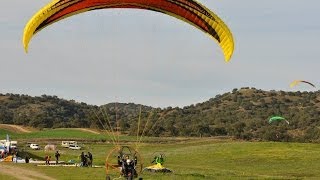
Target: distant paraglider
x,y
277,118
189,11
296,82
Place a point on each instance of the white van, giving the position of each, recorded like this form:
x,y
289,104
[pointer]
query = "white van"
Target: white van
x,y
34,146
14,144
67,144
74,147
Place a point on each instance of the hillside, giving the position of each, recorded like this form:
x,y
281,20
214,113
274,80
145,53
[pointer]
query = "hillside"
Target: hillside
x,y
242,113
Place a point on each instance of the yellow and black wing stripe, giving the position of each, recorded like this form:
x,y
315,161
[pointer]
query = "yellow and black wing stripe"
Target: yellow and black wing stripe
x,y
189,11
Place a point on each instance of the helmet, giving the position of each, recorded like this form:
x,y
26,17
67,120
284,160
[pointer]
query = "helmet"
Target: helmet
x,y
128,161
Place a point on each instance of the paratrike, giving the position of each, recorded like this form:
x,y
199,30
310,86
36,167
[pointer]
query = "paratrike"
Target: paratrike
x,y
158,165
126,160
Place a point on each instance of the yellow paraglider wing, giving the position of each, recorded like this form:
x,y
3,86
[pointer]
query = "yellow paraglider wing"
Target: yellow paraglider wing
x,y
296,82
189,11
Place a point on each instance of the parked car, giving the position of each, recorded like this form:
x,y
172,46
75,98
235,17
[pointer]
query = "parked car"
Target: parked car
x,y
66,144
34,146
74,147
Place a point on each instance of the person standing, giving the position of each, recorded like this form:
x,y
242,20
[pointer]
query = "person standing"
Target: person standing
x,y
57,155
82,158
27,158
49,159
46,159
90,158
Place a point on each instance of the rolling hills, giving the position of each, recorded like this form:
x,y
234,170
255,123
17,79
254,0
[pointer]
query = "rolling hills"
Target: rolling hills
x,y
242,113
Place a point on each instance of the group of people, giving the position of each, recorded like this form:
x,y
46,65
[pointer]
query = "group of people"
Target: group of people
x,y
8,155
86,160
47,158
4,152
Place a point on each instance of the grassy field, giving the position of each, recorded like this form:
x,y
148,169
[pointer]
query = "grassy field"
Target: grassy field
x,y
72,134
205,158
6,177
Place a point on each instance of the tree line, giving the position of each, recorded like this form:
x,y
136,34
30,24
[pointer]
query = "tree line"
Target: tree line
x,y
242,113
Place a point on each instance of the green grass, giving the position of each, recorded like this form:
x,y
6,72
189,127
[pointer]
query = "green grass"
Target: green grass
x,y
245,159
208,160
6,177
192,158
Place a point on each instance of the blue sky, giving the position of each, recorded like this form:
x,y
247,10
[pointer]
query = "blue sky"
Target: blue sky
x,y
153,59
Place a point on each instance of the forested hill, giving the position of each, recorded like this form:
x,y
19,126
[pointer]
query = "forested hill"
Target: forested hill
x,y
242,113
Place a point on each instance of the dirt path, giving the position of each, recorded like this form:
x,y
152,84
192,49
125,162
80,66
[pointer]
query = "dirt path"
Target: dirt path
x,y
88,130
21,129
22,173
15,128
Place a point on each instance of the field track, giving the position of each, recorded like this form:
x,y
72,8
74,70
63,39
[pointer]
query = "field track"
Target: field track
x,y
15,128
87,130
22,129
22,173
